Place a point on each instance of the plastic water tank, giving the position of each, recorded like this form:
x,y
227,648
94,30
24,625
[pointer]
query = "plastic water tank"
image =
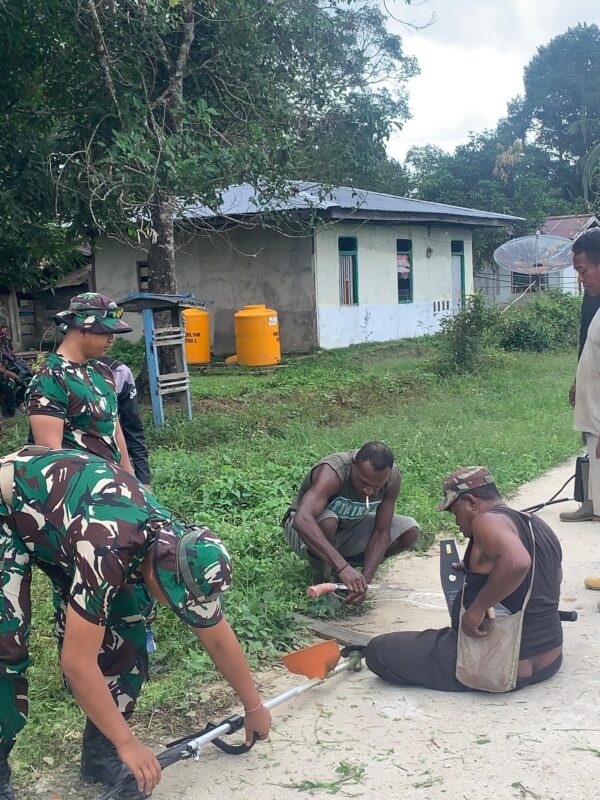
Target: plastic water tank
x,y
257,336
197,336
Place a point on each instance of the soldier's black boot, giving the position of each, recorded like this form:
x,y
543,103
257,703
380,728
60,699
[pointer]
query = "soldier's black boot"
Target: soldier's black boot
x,y
6,789
100,763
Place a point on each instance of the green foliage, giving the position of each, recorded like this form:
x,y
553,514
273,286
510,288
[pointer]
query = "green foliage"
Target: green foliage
x,y
548,321
131,353
462,338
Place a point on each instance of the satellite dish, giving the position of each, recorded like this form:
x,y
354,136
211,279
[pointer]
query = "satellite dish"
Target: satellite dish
x,y
535,255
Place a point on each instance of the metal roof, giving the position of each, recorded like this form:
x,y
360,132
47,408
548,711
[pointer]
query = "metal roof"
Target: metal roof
x,y
341,201
569,225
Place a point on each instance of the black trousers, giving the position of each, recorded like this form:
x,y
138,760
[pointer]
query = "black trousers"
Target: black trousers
x,y
428,658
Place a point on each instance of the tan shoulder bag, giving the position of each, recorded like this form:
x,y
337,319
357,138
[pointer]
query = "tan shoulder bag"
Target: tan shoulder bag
x,y
490,663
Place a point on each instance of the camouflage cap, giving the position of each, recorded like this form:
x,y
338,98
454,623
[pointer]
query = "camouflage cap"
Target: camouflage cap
x,y
94,313
193,569
462,481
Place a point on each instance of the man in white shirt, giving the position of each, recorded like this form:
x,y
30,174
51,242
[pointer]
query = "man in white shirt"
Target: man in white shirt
x,y
586,261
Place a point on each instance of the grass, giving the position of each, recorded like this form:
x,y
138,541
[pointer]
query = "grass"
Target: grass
x,y
237,464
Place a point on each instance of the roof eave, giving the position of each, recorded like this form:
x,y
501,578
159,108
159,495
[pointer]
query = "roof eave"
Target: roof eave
x,y
424,218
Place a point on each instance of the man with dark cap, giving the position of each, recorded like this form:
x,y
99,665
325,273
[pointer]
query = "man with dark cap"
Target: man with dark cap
x,y
503,557
72,400
97,532
344,517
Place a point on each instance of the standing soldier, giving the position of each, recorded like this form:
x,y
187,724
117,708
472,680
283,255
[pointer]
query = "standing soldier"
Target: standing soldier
x,y
72,401
97,532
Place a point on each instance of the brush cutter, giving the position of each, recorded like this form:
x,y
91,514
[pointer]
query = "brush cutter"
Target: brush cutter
x,y
319,663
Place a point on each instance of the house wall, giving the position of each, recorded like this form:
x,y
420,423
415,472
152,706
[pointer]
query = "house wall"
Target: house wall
x,y
379,316
234,269
497,284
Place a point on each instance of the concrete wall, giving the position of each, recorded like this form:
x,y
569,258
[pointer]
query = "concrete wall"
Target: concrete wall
x,y
379,316
234,269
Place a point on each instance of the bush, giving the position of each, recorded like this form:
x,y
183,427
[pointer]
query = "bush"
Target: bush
x,y
463,337
549,321
131,353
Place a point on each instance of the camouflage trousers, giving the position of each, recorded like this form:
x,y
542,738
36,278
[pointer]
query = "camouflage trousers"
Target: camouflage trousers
x,y
123,659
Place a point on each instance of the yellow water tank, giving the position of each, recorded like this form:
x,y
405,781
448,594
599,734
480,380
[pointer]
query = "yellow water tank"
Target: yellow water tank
x,y
197,336
257,336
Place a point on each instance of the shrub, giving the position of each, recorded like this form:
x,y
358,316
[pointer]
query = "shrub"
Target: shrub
x,y
548,321
131,353
463,337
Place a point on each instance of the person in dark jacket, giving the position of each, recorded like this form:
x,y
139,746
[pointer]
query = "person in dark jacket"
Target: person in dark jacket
x,y
129,416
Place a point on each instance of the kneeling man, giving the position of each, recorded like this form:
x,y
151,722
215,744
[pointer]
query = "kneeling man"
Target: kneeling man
x,y
344,517
500,562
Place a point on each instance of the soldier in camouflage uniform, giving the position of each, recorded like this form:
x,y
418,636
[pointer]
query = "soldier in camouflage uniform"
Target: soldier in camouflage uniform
x,y
96,532
72,400
508,550
14,372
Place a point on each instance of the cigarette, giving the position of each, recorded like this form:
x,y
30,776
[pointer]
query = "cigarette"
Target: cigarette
x,y
367,503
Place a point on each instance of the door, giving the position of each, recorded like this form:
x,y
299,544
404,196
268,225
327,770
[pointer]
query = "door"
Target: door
x,y
458,280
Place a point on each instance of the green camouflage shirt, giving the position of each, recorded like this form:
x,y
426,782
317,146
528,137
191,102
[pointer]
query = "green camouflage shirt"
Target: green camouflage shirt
x,y
88,524
84,397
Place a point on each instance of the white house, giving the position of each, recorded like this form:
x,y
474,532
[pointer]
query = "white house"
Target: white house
x,y
346,267
502,286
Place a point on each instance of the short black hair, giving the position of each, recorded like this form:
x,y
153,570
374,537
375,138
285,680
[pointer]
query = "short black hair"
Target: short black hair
x,y
487,492
377,454
588,243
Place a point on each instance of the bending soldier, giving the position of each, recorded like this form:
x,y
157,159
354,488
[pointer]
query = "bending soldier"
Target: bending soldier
x,y
97,532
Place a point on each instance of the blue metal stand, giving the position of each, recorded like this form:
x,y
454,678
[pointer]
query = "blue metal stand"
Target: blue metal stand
x,y
173,335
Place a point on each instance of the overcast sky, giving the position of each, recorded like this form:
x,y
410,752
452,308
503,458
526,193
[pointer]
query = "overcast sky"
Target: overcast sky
x,y
472,59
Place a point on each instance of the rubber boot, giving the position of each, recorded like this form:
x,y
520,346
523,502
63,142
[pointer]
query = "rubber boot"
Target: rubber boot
x,y
6,789
585,512
100,763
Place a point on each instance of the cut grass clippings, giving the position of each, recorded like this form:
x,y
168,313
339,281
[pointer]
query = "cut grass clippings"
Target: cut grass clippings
x,y
238,463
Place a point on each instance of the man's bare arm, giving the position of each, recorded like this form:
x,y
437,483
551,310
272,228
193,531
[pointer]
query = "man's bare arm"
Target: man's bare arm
x,y
380,539
325,483
47,431
79,663
500,543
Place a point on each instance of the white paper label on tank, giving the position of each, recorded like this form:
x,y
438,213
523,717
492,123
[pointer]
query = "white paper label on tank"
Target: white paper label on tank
x,y
273,320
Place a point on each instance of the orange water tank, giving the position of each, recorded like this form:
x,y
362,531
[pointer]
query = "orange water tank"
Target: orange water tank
x,y
197,336
257,336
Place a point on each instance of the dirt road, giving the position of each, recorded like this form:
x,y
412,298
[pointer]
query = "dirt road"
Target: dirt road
x,y
358,737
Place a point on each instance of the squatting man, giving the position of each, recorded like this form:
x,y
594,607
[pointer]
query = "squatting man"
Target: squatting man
x,y
343,517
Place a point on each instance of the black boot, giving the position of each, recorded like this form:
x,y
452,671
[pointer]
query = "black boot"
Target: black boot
x,y
100,763
6,789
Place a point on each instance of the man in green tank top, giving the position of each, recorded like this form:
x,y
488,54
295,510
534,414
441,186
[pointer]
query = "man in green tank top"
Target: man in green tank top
x,y
344,517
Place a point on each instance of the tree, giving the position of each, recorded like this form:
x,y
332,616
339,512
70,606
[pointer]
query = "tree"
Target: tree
x,y
561,104
36,247
167,102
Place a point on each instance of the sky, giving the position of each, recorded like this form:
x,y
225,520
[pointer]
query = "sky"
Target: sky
x,y
472,58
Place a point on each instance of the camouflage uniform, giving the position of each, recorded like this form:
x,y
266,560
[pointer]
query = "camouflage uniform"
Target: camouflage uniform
x,y
88,524
84,397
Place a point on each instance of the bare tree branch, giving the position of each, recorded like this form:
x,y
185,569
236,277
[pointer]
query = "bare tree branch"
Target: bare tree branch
x,y
103,55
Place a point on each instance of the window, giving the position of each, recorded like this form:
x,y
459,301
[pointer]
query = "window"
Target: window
x,y
347,248
523,282
457,246
142,276
404,268
457,273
